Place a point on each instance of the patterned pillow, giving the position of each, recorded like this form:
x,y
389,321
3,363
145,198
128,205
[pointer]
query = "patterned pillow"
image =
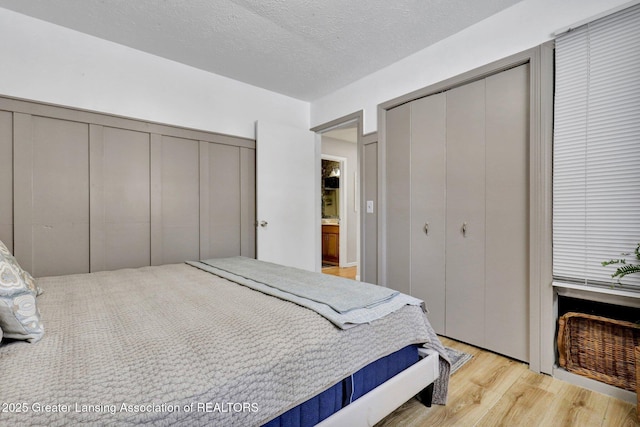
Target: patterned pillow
x,y
19,315
26,277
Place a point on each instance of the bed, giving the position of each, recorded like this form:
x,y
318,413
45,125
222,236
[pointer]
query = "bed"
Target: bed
x,y
201,344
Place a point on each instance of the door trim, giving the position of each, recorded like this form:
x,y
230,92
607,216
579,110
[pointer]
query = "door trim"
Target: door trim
x,y
358,119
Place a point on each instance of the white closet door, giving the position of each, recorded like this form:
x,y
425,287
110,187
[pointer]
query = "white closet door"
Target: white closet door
x,y
428,179
465,256
507,242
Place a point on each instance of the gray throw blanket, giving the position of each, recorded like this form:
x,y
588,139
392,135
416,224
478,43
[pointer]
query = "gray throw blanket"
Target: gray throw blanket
x,y
341,294
360,302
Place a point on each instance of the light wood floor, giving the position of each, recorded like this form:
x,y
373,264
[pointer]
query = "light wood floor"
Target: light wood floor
x,y
348,272
492,390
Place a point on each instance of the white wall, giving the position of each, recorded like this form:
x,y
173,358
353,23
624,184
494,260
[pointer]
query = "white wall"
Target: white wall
x,y
518,28
44,62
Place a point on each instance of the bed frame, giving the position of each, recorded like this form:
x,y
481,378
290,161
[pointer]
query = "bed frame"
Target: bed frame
x,y
390,395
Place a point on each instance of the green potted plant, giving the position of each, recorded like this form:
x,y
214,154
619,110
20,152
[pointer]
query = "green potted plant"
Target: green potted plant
x,y
624,268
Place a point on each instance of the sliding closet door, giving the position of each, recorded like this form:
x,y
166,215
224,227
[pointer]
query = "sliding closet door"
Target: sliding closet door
x,y
398,171
465,259
51,195
120,205
224,200
6,179
428,180
248,202
83,192
176,200
507,242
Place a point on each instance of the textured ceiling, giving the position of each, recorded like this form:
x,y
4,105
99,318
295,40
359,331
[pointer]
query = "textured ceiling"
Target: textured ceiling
x,y
301,48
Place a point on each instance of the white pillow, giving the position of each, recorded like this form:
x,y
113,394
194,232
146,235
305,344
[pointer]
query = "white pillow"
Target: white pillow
x,y
19,314
26,277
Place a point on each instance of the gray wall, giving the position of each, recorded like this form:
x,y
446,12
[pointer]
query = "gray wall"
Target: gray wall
x,y
369,170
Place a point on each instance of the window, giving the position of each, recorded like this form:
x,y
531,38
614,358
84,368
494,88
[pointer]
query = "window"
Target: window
x,y
596,187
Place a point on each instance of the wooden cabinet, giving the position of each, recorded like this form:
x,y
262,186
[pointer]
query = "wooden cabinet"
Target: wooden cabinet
x,y
457,209
330,244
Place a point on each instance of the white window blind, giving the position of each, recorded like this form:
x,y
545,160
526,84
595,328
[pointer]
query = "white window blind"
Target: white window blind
x,y
596,180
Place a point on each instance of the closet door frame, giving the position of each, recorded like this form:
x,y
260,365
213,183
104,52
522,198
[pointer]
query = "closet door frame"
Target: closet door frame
x,y
541,297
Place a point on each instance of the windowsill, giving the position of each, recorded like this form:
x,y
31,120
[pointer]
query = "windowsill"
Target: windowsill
x,y
607,295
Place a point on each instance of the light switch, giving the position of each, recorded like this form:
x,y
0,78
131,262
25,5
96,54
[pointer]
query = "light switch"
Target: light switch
x,y
369,206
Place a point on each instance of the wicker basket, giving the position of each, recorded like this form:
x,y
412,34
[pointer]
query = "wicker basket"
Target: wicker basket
x,y
599,348
638,382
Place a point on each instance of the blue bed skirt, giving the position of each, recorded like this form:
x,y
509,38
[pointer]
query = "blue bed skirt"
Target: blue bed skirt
x,y
318,408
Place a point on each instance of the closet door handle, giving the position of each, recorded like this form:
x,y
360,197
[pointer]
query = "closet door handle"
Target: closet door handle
x,y
464,229
426,228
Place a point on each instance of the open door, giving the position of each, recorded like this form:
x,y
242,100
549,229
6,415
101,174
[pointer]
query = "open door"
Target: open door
x,y
287,195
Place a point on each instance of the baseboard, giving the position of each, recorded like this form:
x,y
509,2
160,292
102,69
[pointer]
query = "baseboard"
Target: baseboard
x,y
593,385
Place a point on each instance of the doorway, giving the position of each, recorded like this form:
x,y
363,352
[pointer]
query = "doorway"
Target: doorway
x,y
334,224
340,206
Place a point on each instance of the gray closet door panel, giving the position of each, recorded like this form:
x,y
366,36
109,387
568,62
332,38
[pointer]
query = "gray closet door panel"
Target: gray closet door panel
x,y
507,204
428,208
180,199
126,176
155,196
60,249
23,189
205,233
60,197
180,244
224,200
465,266
126,195
248,202
180,181
97,241
370,249
85,192
398,177
127,246
60,171
6,235
6,179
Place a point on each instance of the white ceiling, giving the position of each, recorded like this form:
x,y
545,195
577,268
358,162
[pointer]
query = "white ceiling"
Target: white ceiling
x,y
300,48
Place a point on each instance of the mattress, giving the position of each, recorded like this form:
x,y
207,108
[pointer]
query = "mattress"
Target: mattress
x,y
350,389
174,344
